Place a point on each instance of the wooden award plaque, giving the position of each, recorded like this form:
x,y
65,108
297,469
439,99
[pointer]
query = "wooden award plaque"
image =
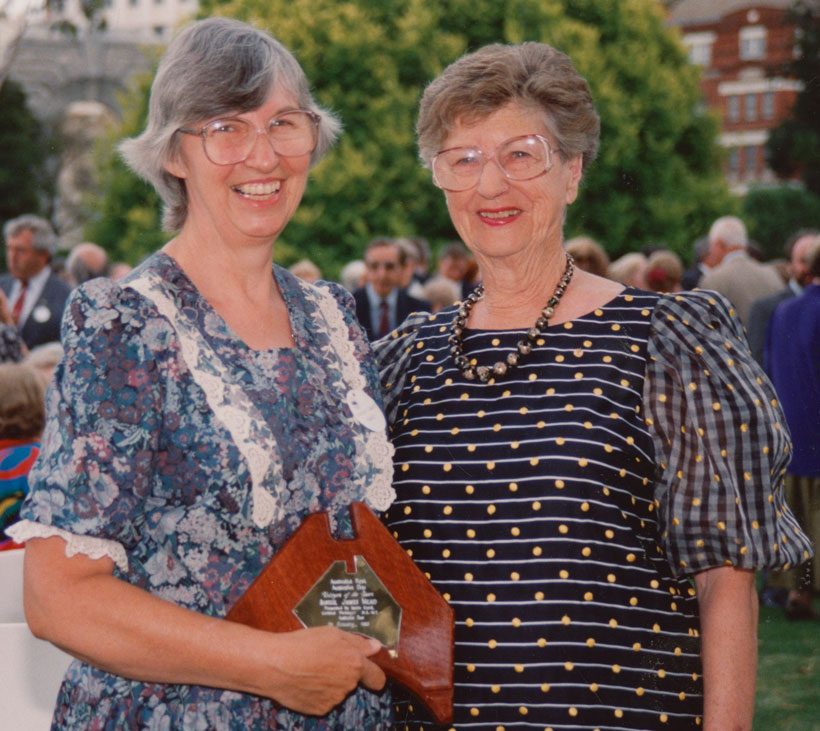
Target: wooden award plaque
x,y
368,585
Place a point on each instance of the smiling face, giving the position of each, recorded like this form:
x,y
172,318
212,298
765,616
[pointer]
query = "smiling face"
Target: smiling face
x,y
251,200
500,217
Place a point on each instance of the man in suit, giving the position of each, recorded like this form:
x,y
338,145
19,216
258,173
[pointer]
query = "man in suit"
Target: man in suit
x,y
700,266
790,357
737,276
382,305
797,249
36,296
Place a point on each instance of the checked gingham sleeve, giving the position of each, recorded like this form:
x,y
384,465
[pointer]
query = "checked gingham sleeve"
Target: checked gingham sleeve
x,y
392,355
721,442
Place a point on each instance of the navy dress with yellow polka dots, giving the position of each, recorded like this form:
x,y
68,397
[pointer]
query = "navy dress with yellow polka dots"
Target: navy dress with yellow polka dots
x,y
546,506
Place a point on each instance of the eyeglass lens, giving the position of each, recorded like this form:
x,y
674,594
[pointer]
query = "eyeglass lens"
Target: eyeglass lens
x,y
229,141
519,158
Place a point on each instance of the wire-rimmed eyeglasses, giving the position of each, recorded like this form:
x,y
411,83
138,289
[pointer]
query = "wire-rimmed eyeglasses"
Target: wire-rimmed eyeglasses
x,y
229,140
519,158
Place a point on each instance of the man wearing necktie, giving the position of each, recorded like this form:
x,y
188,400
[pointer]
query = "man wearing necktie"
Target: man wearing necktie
x,y
382,305
35,295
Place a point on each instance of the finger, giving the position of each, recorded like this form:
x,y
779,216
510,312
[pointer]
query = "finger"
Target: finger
x,y
366,645
372,648
373,676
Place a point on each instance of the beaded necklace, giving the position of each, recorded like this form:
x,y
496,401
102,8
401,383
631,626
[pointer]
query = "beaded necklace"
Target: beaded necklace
x,y
523,348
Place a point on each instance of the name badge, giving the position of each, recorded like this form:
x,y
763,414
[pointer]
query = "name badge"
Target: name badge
x,y
41,314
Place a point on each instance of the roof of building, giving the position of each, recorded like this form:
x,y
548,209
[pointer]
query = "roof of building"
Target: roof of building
x,y
690,12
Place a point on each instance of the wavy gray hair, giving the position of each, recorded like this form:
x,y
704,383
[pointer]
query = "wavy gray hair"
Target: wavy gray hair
x,y
212,67
43,237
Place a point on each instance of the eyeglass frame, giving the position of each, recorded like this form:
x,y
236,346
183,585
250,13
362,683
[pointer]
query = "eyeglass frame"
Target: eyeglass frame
x,y
314,118
544,141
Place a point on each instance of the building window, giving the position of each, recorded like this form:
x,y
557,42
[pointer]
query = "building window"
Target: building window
x,y
750,103
700,47
733,108
768,105
734,161
133,2
750,160
753,43
700,54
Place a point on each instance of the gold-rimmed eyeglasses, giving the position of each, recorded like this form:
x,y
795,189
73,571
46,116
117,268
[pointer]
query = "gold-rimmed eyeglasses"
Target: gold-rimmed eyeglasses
x,y
229,140
519,158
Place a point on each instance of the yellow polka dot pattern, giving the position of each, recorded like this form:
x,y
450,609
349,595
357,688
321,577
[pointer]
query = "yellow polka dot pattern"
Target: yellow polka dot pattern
x,y
567,608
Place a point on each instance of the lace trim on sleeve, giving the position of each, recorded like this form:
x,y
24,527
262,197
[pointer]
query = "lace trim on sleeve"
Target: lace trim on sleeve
x,y
229,403
90,546
373,443
721,442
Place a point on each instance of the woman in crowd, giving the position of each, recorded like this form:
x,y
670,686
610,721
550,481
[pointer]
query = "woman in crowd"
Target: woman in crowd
x,y
206,404
570,453
629,269
588,255
664,271
22,416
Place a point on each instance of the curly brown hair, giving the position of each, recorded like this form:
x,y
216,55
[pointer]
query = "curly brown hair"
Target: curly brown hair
x,y
534,75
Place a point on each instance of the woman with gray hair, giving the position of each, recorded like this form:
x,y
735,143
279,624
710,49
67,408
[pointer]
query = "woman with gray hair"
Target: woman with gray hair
x,y
589,472
206,404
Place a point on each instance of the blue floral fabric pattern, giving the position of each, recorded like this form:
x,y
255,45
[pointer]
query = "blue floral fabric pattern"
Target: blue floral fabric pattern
x,y
133,454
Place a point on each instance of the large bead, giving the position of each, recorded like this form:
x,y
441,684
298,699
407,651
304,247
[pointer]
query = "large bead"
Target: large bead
x,y
524,347
499,368
548,312
512,359
483,374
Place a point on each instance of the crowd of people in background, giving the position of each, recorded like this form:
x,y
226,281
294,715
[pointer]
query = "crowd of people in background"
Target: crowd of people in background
x,y
777,301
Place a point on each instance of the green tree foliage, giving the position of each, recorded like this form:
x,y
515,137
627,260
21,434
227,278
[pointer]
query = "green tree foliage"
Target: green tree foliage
x,y
127,214
658,175
794,146
773,214
24,185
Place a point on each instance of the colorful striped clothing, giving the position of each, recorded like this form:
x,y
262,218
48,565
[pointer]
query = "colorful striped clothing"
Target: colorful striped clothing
x,y
562,509
16,458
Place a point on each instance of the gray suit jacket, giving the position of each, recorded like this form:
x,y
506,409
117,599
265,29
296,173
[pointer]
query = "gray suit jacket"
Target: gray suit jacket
x,y
43,322
759,316
742,280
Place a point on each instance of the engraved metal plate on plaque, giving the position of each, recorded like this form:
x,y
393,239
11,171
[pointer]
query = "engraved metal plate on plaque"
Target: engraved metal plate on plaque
x,y
356,602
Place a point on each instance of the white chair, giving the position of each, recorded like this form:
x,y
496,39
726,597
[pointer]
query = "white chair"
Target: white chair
x,y
31,670
30,675
11,585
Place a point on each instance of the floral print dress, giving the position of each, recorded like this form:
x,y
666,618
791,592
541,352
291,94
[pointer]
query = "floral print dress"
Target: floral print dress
x,y
188,459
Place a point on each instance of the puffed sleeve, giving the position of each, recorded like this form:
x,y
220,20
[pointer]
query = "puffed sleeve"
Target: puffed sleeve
x,y
721,442
103,415
392,356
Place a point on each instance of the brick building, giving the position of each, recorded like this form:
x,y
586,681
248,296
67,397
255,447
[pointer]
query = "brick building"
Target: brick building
x,y
742,46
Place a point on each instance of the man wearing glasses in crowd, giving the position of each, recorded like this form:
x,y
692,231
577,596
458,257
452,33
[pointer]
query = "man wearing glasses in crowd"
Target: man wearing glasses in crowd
x,y
382,305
